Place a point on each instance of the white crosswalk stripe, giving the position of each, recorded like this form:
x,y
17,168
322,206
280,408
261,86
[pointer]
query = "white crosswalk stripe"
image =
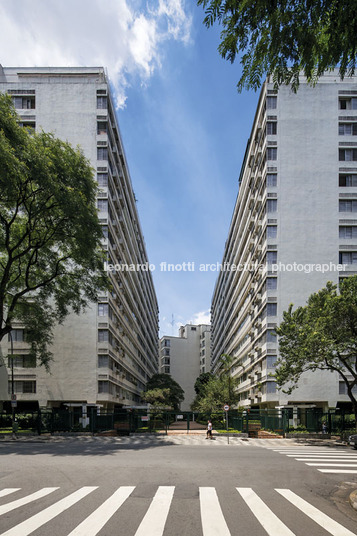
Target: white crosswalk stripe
x,y
96,521
316,515
155,520
36,521
25,500
213,522
7,491
269,521
339,461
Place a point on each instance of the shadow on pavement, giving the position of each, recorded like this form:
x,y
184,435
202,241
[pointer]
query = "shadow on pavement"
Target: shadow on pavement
x,y
85,446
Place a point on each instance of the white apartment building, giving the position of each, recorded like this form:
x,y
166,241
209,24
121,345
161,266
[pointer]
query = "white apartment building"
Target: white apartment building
x,y
104,357
186,357
293,225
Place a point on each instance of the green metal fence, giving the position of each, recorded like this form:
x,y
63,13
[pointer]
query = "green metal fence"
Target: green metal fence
x,y
143,421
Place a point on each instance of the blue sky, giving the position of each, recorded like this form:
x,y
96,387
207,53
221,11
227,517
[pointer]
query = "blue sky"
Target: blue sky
x,y
183,124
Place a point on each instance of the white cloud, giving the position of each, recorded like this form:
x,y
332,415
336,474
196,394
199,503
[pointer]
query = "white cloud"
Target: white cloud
x,y
125,36
203,317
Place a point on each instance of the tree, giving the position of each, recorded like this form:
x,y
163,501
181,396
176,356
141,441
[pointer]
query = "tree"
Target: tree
x,y
51,261
201,381
321,336
157,397
220,389
285,37
172,391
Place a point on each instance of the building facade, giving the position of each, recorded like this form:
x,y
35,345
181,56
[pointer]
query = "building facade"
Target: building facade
x,y
294,227
105,356
186,357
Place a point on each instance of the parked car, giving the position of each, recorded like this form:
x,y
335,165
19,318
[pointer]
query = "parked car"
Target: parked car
x,y
353,440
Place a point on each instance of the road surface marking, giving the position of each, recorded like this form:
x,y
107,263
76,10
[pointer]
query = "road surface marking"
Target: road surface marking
x,y
36,521
96,521
25,500
153,523
344,471
213,522
326,522
268,520
324,459
326,452
341,456
332,464
7,491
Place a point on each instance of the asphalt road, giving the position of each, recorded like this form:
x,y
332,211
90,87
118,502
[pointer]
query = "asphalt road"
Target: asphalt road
x,y
114,488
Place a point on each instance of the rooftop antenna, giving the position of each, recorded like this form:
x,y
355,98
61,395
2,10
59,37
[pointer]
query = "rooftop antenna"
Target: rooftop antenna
x,y
172,323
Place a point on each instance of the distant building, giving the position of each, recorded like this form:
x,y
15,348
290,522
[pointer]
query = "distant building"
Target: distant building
x,y
294,224
104,357
187,356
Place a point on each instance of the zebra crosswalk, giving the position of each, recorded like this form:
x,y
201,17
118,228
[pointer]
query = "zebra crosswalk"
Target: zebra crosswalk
x,y
246,501
324,459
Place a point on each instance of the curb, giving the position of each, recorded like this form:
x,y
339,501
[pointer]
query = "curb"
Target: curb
x,y
353,499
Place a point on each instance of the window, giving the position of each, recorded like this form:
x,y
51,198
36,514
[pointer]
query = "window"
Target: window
x,y
348,103
272,257
102,103
347,155
193,329
102,153
348,257
102,179
101,127
272,205
348,232
102,205
271,387
347,205
103,387
272,309
167,343
103,335
102,309
347,180
22,361
271,179
167,351
342,388
24,103
18,335
272,283
271,103
271,127
167,370
272,153
271,361
30,125
23,387
271,336
105,231
272,231
347,129
103,361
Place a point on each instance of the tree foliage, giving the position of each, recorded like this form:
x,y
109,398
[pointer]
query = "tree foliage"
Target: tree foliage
x,y
201,381
321,336
220,389
172,392
285,37
50,256
157,397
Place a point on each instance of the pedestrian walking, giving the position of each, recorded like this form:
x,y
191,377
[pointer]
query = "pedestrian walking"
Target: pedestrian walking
x,y
209,430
